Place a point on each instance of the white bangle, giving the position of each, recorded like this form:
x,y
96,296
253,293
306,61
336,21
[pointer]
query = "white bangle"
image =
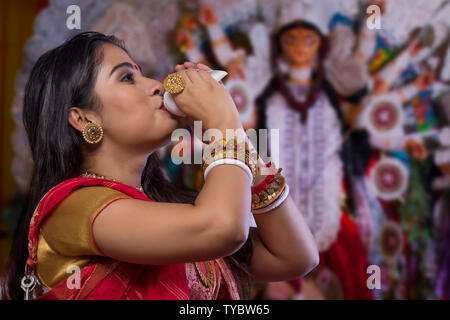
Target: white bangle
x,y
274,204
229,161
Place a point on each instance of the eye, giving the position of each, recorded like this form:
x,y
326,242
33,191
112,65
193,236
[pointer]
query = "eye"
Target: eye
x,y
309,40
128,78
290,41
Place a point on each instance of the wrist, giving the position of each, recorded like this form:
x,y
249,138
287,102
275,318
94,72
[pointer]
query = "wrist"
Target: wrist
x,y
234,129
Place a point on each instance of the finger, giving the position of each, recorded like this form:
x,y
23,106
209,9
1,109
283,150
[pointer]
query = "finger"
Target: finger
x,y
179,67
204,75
189,64
204,67
193,75
185,76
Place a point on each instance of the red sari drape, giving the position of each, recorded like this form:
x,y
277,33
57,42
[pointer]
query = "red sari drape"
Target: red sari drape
x,y
347,258
105,278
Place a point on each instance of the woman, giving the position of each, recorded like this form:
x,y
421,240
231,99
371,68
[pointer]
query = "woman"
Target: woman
x,y
93,122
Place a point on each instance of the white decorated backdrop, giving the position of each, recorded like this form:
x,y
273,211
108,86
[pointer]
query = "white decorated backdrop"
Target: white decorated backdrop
x,y
144,26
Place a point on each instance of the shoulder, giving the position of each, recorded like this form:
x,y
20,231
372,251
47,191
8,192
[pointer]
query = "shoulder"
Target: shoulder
x,y
84,201
68,227
90,195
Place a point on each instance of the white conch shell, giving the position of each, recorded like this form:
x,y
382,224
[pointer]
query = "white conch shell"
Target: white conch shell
x,y
170,104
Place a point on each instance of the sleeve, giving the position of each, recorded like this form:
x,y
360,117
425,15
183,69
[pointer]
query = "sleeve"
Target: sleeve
x,y
68,230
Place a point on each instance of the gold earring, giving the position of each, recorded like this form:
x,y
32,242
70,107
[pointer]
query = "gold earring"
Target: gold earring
x,y
92,132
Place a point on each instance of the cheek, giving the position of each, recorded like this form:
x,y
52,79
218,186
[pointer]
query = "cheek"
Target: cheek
x,y
131,116
289,52
125,100
127,106
310,52
126,113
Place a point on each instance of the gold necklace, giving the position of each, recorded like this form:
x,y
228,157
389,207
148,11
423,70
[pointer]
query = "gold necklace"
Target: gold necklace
x,y
209,279
87,174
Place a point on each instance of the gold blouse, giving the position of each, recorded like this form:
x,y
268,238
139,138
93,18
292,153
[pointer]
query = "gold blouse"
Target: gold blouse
x,y
65,237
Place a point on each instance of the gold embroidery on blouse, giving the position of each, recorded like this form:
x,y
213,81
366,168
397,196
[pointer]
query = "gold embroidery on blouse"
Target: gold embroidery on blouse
x,y
65,237
207,280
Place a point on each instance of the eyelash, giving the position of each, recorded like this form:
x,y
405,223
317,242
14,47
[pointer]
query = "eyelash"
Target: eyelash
x,y
128,75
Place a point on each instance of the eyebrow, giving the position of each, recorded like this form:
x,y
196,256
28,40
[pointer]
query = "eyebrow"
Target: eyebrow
x,y
123,64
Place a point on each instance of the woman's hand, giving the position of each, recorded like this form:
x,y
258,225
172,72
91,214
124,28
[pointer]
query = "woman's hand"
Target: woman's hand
x,y
203,98
192,65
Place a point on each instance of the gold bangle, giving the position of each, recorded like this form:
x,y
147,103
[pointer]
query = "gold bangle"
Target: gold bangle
x,y
222,153
273,191
221,146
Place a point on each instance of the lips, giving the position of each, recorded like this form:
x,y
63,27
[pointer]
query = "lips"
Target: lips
x,y
162,107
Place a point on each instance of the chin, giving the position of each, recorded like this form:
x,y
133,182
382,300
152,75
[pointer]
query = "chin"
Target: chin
x,y
173,124
162,134
169,127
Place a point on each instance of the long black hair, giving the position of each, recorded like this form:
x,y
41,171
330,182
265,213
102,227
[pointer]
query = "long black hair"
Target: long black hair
x,y
62,78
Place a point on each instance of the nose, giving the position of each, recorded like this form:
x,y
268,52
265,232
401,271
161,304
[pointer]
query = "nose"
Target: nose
x,y
155,88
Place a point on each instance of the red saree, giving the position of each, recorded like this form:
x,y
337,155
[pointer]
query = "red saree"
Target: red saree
x,y
105,278
347,258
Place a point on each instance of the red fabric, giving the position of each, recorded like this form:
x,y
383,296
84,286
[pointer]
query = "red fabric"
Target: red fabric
x,y
106,278
296,284
372,162
347,258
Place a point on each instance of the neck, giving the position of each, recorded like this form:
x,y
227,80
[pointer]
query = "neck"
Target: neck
x,y
126,167
301,66
300,75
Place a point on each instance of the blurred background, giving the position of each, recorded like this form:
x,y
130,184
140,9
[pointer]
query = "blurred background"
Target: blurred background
x,y
359,89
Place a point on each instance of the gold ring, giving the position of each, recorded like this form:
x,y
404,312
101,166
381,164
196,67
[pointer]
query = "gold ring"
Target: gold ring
x,y
174,83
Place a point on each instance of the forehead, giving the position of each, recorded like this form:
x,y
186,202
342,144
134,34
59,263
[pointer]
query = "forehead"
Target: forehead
x,y
113,55
299,32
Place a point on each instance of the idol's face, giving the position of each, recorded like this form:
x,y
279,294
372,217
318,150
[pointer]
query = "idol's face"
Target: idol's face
x,y
299,46
130,112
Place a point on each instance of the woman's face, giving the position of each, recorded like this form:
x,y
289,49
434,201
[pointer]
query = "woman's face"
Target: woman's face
x,y
299,46
131,113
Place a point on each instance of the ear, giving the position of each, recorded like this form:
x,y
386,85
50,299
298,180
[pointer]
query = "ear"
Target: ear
x,y
78,118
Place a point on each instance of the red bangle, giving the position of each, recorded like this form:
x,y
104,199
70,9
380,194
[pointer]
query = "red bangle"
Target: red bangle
x,y
263,185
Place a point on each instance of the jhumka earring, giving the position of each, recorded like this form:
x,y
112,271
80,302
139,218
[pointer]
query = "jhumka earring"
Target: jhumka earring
x,y
92,133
